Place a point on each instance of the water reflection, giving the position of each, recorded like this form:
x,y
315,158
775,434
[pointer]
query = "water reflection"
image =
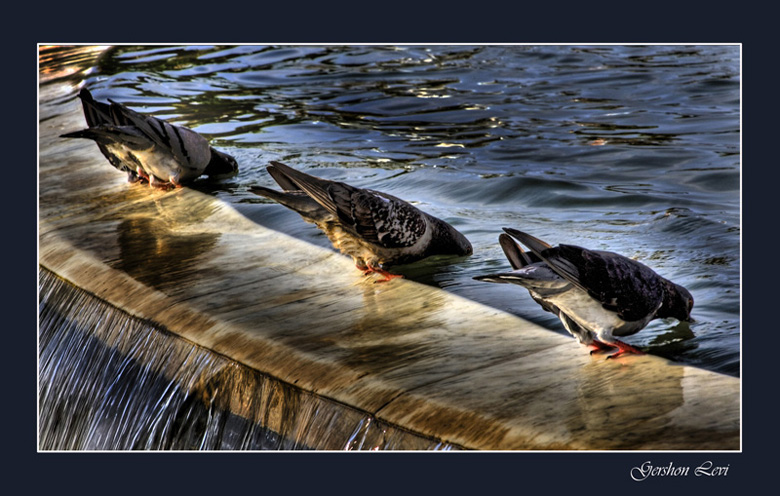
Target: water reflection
x,y
587,145
157,255
385,340
74,63
612,399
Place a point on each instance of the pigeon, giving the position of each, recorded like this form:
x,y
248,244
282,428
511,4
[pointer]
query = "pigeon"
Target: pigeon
x,y
597,295
148,148
372,227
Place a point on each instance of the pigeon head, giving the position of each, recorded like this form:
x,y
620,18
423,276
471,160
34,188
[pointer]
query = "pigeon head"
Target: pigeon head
x,y
678,303
448,241
221,164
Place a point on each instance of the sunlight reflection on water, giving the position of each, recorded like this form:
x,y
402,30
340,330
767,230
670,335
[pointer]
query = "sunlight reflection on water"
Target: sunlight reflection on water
x,y
484,137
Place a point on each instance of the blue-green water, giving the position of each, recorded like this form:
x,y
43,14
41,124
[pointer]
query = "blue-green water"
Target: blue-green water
x,y
633,149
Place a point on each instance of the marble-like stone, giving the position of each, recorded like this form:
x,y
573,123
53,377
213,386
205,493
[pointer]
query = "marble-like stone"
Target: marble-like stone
x,y
413,356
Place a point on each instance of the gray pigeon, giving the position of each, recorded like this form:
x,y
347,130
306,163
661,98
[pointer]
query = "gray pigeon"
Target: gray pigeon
x,y
148,148
596,294
373,228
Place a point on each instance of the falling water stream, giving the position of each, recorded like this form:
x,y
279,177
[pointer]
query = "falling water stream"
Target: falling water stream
x,y
110,381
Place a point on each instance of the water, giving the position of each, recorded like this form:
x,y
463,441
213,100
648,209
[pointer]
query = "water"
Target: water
x,y
634,149
109,381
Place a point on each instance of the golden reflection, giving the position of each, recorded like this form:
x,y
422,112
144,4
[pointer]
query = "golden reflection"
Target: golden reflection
x,y
386,336
615,409
156,255
65,61
157,242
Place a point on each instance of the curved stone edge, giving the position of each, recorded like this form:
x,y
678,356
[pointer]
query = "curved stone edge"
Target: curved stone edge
x,y
301,420
416,411
427,407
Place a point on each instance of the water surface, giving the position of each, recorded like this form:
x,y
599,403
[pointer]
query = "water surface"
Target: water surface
x,y
633,149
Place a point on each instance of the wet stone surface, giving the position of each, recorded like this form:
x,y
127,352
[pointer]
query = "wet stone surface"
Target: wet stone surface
x,y
410,355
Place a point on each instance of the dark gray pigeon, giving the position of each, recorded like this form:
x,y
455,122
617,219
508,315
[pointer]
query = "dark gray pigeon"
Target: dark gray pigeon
x,y
373,228
148,148
596,294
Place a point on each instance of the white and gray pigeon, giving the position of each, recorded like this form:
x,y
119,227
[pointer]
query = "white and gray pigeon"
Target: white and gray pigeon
x,y
372,227
597,295
148,148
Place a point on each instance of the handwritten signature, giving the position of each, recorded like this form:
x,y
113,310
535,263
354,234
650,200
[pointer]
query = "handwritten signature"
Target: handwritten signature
x,y
706,469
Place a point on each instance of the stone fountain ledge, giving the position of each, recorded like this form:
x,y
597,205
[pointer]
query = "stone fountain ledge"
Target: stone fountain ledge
x,y
413,356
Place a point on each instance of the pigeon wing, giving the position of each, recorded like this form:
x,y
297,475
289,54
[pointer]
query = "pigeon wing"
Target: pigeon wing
x,y
373,216
129,137
297,201
98,115
282,179
620,284
377,217
190,149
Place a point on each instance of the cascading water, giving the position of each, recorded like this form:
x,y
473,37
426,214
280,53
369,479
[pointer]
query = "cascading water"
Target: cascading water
x,y
110,381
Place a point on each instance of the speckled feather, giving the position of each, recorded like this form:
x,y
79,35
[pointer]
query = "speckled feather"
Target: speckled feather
x,y
364,221
376,217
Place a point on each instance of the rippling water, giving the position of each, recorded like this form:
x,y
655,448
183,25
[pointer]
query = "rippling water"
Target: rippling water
x,y
633,149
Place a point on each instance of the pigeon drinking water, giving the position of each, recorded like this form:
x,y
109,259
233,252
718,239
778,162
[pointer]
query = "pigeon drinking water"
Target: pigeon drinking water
x,y
148,148
597,295
372,227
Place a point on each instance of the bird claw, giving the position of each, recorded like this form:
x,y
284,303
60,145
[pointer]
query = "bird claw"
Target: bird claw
x,y
599,346
368,269
161,185
624,348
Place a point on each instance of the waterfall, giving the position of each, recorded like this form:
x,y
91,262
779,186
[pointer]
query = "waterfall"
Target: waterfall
x,y
111,381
